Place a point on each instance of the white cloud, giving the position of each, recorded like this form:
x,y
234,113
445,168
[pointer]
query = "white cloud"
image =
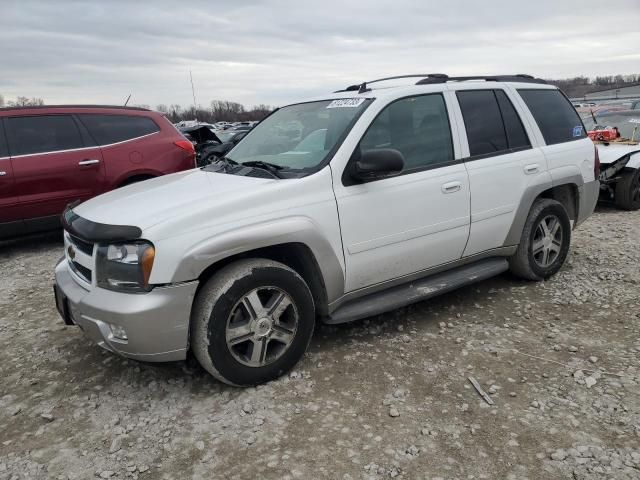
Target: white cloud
x,y
279,51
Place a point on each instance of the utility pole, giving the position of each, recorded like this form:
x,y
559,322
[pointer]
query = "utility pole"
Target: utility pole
x,y
193,92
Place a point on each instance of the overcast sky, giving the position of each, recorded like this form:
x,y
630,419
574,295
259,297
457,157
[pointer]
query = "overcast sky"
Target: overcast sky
x,y
280,51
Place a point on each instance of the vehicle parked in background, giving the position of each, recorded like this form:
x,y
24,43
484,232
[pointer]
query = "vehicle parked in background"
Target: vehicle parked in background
x,y
54,155
619,154
371,199
203,138
213,152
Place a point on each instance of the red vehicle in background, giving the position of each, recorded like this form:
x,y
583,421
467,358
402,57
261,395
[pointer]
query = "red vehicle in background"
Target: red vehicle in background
x,y
54,155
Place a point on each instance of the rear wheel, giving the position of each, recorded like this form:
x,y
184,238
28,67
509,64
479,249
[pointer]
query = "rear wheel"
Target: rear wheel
x,y
545,241
627,193
252,322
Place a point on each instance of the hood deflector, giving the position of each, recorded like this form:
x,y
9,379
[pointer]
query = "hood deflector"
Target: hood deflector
x,y
96,232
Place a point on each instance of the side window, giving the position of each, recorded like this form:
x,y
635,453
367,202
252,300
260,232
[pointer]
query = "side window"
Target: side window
x,y
416,126
558,120
108,129
40,134
4,150
516,136
483,122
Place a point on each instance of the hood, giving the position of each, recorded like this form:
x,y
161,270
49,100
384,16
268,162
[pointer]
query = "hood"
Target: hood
x,y
611,152
201,134
147,203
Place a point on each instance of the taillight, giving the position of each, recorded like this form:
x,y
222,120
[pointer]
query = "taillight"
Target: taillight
x,y
596,163
188,147
185,145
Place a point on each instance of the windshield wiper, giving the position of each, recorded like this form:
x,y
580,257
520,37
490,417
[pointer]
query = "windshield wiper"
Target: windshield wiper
x,y
270,167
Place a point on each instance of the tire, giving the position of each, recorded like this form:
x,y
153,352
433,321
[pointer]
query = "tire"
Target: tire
x,y
627,193
548,229
240,333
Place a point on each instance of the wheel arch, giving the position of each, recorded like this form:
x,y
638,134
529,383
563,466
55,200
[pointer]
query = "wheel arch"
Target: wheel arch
x,y
295,255
567,193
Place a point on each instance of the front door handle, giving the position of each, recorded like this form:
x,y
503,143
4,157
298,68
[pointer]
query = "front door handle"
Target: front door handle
x,y
531,169
451,187
84,163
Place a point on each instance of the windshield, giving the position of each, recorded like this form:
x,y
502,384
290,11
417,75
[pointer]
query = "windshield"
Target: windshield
x,y
299,136
625,121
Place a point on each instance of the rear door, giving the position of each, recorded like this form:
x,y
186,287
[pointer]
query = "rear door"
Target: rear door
x,y
501,163
54,163
10,219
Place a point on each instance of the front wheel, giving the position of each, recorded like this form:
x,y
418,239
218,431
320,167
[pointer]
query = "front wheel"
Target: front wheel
x,y
627,193
545,241
252,322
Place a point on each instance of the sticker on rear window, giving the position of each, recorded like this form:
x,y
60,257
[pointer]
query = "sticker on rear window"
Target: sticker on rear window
x,y
577,131
346,103
634,120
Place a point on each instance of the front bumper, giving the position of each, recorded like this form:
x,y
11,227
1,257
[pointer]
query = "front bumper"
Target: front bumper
x,y
589,193
156,323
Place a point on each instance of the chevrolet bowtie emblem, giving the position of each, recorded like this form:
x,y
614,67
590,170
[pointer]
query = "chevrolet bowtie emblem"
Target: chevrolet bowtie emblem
x,y
71,252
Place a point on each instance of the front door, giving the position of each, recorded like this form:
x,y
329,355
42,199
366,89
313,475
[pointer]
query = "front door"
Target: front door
x,y
10,219
396,226
53,163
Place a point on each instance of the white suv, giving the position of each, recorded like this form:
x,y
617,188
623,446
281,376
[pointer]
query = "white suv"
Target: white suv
x,y
334,209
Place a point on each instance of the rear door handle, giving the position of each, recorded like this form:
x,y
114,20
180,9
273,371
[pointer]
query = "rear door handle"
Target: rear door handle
x,y
531,169
451,187
84,163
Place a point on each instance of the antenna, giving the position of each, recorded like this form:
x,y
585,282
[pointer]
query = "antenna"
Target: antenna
x,y
193,92
127,101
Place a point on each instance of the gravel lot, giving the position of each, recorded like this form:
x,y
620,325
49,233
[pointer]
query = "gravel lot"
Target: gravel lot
x,y
387,397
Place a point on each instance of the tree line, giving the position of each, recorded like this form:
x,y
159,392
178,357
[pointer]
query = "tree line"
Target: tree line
x,y
581,85
224,110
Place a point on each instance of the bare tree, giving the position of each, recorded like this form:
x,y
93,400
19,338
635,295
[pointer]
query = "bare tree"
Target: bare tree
x,y
1,101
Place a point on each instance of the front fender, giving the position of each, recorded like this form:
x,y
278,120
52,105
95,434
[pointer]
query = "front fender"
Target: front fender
x,y
265,234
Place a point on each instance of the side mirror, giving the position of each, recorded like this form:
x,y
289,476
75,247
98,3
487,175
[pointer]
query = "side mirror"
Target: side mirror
x,y
378,163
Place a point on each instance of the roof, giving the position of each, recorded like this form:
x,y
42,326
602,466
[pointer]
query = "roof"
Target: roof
x,y
114,107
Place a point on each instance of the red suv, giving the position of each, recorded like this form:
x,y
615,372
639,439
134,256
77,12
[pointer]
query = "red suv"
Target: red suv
x,y
51,156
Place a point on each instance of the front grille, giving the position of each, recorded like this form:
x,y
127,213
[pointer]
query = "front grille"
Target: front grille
x,y
83,246
84,272
79,255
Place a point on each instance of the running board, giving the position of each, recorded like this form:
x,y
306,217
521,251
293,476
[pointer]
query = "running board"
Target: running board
x,y
418,290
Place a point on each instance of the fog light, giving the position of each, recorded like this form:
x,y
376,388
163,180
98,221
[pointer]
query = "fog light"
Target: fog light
x,y
118,332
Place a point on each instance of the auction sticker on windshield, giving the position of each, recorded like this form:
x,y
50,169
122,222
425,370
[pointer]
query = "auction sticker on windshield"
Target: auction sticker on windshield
x,y
634,120
346,103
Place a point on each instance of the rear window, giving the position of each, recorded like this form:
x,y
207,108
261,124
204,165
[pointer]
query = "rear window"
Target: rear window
x,y
41,134
558,120
108,129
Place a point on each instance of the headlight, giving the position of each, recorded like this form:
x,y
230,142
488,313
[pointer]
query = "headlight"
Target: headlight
x,y
125,267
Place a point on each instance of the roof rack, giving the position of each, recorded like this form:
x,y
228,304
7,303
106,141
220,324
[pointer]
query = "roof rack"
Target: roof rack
x,y
119,107
519,77
433,78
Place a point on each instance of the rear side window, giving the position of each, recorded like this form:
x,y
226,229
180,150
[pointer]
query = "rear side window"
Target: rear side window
x,y
558,120
108,129
516,135
483,122
416,126
492,123
41,134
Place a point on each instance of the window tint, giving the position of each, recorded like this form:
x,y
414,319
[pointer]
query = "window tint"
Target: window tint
x,y
107,129
47,133
4,150
558,120
416,126
516,135
483,122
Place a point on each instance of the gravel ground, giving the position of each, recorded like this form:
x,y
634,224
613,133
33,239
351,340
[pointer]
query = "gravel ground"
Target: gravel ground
x,y
387,397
